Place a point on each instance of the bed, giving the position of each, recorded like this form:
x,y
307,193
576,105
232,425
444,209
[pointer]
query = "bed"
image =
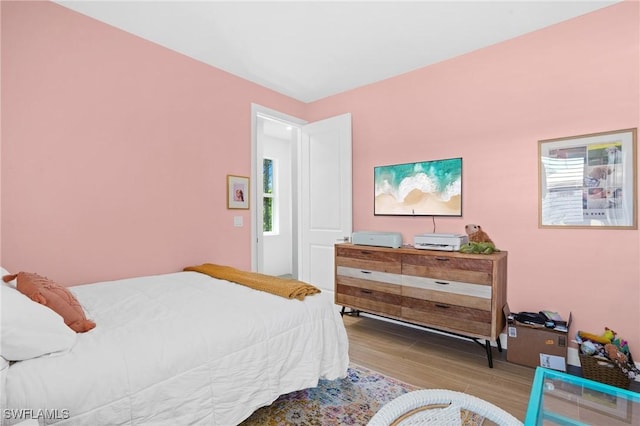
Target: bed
x,y
180,348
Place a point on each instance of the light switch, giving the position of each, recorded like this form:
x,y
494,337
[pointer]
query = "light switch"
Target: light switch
x,y
237,221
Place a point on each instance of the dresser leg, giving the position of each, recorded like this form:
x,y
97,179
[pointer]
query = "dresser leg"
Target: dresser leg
x,y
499,343
489,355
352,312
487,348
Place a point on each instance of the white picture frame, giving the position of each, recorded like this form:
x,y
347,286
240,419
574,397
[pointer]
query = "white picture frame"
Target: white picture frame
x,y
588,181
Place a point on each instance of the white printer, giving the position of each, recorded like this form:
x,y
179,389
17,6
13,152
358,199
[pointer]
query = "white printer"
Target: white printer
x,y
444,242
377,238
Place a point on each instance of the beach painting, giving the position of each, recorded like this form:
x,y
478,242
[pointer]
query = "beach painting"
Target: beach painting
x,y
428,188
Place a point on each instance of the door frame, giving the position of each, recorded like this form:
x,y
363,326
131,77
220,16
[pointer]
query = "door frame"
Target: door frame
x,y
257,239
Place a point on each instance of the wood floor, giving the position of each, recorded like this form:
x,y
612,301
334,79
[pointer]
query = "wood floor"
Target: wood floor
x,y
429,360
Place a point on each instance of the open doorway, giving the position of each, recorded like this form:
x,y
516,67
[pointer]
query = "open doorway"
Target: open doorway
x,y
321,197
277,140
275,184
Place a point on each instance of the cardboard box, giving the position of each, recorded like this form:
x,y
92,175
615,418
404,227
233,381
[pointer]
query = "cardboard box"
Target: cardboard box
x,y
535,346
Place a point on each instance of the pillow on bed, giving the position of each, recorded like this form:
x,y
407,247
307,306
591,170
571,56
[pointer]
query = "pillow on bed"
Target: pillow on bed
x,y
30,330
53,295
4,272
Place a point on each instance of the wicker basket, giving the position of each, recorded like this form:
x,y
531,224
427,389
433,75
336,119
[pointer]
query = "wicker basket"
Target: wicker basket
x,y
603,370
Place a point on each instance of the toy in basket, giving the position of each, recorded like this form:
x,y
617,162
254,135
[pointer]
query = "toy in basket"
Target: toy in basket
x,y
606,358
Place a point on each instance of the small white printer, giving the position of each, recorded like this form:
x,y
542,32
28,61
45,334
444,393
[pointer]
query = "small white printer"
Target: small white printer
x,y
444,242
380,239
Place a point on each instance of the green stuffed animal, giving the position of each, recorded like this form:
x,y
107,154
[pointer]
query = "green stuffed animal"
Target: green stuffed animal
x,y
479,248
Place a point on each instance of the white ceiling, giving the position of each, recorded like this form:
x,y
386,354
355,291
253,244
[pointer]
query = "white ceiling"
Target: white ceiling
x,y
312,49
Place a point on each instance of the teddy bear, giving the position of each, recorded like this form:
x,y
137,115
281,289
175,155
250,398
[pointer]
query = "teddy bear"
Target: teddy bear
x,y
622,361
476,234
614,354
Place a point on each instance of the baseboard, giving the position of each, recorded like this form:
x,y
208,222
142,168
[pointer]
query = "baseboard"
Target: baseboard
x,y
572,357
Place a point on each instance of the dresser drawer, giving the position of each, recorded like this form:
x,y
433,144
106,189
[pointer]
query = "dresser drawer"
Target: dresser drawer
x,y
454,318
448,298
368,299
369,275
462,269
449,287
373,260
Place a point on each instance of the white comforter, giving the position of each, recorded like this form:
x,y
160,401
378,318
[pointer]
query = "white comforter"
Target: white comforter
x,y
181,349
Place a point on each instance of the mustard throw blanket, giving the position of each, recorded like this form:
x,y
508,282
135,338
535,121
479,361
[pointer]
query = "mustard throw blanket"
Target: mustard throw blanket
x,y
291,289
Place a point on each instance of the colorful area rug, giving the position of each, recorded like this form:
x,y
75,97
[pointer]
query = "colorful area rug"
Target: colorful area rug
x,y
349,401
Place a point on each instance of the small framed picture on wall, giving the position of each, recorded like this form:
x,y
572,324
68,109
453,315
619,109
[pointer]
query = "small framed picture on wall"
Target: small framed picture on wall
x,y
237,192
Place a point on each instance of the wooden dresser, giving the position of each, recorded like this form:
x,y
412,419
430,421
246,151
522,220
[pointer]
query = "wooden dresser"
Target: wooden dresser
x,y
461,294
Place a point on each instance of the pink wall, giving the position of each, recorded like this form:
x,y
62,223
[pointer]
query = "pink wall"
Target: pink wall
x,y
491,107
115,150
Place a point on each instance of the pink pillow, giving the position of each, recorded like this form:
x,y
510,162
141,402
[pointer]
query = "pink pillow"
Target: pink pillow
x,y
29,329
54,296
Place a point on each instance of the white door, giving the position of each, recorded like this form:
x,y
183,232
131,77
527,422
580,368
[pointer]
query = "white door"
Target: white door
x,y
325,197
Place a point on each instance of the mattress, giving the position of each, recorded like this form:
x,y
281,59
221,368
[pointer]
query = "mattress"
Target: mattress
x,y
181,348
